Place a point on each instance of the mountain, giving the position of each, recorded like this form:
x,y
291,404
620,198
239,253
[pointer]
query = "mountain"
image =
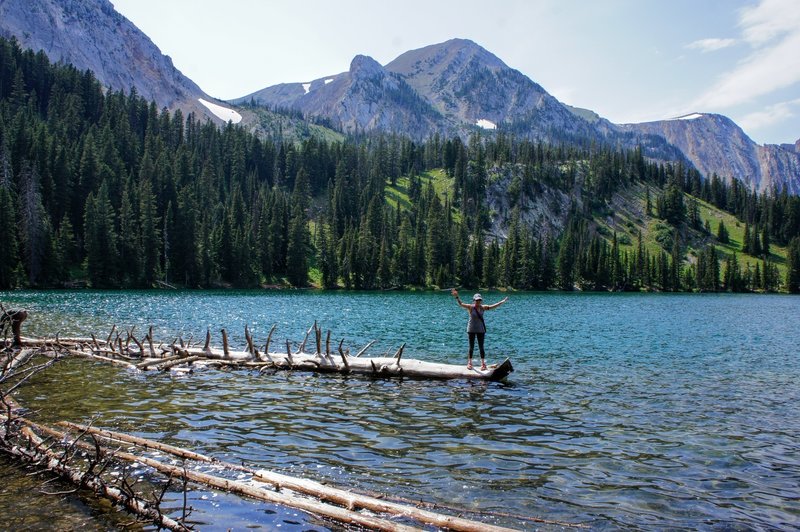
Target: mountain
x,y
366,97
91,35
716,145
457,87
450,88
469,85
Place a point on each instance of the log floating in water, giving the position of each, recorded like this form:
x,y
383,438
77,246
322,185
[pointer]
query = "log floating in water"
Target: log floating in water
x,y
181,354
351,501
36,452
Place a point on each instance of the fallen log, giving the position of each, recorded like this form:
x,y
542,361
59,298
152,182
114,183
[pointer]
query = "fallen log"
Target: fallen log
x,y
37,453
342,497
341,515
382,366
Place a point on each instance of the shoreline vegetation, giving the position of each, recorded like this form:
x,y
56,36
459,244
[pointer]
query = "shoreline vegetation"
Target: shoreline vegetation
x,y
101,188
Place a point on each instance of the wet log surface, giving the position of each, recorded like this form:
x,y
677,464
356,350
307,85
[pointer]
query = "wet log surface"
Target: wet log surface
x,y
123,348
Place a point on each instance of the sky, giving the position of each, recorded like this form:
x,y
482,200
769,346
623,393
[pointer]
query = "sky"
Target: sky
x,y
627,60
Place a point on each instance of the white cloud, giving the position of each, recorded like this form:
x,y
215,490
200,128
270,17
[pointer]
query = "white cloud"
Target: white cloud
x,y
771,115
768,20
773,29
711,45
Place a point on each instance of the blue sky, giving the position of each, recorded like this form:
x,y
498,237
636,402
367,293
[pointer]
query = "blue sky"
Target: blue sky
x,y
627,60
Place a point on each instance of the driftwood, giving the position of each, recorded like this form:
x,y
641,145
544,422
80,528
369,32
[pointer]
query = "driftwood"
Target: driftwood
x,y
383,366
13,319
37,453
18,440
342,510
179,354
349,500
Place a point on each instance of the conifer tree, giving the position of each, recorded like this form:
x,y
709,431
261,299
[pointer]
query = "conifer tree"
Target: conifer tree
x,y
765,242
298,244
793,266
746,248
490,265
150,235
565,263
9,257
34,225
101,239
722,233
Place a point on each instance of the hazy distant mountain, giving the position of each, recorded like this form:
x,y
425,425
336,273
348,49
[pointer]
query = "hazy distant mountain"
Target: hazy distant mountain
x,y
91,35
716,145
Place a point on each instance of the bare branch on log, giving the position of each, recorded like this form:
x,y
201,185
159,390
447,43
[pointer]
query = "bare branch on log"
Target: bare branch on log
x,y
84,354
225,343
344,358
364,349
399,353
250,346
150,341
111,334
308,332
138,344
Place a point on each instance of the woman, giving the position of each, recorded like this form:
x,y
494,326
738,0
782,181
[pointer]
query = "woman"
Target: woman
x,y
476,327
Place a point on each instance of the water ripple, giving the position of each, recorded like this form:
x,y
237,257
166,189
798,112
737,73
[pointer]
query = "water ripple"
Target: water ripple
x,y
625,411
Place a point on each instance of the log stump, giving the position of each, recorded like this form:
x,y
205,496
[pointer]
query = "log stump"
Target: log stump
x,y
14,317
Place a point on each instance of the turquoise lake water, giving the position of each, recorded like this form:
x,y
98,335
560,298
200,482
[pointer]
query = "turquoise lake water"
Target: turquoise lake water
x,y
624,410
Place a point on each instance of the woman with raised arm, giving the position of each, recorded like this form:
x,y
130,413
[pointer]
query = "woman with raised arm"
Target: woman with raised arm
x,y
476,327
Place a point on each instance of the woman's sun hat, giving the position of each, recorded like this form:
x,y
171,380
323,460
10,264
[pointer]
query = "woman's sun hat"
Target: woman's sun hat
x,y
477,297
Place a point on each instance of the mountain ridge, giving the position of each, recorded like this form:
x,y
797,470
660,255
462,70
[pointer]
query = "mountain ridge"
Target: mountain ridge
x,y
452,88
469,89
92,35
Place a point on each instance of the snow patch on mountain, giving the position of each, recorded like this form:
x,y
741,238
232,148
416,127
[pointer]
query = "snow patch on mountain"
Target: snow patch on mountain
x,y
486,124
689,117
307,87
328,80
223,113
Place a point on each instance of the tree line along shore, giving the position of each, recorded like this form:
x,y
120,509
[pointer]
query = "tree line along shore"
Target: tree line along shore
x,y
100,188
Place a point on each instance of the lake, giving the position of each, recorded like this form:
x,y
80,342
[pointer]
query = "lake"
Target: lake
x,y
653,411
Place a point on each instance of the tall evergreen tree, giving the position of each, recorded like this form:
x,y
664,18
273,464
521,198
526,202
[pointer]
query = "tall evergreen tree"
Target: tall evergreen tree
x,y
9,258
101,239
793,266
722,233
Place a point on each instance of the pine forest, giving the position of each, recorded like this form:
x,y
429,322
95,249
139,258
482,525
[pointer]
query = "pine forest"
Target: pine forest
x,y
103,189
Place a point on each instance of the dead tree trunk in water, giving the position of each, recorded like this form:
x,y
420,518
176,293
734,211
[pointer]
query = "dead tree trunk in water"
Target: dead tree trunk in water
x,y
13,318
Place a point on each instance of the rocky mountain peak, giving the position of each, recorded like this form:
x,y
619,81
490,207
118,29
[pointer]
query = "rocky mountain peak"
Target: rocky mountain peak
x,y
365,67
448,57
91,35
715,144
